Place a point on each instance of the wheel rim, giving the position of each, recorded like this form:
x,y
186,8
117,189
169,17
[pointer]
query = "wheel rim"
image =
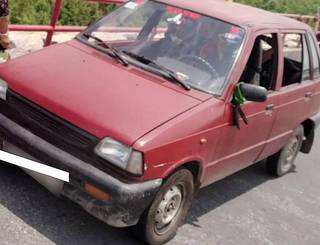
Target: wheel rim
x,y
290,155
168,209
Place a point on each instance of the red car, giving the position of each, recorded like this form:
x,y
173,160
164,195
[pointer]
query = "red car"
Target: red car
x,y
160,98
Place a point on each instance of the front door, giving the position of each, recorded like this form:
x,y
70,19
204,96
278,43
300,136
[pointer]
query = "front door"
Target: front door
x,y
239,148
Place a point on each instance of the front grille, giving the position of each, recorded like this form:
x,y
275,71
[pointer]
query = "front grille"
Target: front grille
x,y
51,128
47,125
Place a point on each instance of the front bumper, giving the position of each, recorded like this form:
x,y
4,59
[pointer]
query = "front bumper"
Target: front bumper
x,y
128,200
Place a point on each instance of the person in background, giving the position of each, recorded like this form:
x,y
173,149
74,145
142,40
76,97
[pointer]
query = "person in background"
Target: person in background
x,y
4,23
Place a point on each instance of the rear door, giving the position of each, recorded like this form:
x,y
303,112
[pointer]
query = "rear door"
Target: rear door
x,y
296,89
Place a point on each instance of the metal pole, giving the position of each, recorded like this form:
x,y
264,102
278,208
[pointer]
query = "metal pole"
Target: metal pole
x,y
54,19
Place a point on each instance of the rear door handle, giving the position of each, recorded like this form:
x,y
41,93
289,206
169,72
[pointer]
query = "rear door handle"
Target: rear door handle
x,y
308,95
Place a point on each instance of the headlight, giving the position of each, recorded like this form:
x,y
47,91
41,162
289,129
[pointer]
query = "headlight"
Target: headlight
x,y
120,155
3,89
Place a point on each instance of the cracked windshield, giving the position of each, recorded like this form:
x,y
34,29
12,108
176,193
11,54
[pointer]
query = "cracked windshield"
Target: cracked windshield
x,y
197,50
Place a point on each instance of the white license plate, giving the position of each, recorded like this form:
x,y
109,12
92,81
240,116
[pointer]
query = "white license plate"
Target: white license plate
x,y
51,178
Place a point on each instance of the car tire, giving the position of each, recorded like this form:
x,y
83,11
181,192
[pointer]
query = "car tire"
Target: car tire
x,y
282,162
161,220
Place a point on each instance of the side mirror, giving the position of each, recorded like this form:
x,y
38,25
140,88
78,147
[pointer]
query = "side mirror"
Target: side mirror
x,y
253,92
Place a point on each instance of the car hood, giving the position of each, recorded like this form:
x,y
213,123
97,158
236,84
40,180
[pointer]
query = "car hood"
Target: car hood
x,y
94,92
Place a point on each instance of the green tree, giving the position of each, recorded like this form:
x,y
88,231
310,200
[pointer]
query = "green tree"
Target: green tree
x,y
77,12
74,12
30,12
303,7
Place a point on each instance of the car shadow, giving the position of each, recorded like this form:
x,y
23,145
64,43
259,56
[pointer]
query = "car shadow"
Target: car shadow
x,y
223,191
63,222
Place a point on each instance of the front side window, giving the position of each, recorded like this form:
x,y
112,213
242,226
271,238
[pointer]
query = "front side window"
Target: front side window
x,y
262,67
198,49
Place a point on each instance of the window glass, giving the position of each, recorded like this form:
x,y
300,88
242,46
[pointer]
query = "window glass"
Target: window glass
x,y
261,68
197,49
315,58
293,55
306,61
293,47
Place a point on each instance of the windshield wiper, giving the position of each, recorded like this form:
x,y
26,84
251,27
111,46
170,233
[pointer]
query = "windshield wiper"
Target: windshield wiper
x,y
114,52
165,71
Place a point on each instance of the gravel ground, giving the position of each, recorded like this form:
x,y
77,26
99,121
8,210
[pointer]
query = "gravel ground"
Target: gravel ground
x,y
248,208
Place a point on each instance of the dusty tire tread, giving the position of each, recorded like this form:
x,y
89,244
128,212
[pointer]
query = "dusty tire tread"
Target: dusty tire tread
x,y
143,229
273,161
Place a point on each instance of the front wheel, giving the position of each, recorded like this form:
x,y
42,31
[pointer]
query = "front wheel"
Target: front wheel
x,y
161,220
282,162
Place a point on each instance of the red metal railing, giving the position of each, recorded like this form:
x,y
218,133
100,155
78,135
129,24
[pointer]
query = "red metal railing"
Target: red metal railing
x,y
52,27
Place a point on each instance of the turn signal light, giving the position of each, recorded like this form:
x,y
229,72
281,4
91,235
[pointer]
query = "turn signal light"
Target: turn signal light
x,y
96,193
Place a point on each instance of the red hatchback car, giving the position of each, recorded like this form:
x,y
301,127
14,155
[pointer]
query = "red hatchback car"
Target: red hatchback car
x,y
159,98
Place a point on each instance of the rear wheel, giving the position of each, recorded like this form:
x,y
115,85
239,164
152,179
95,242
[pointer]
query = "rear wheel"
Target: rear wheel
x,y
282,162
161,220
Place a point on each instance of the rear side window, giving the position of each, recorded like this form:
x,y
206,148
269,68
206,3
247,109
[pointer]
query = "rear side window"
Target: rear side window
x,y
292,46
315,58
292,50
306,75
296,59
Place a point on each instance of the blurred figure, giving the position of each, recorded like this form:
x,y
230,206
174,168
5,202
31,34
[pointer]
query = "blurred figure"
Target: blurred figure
x,y
4,23
178,40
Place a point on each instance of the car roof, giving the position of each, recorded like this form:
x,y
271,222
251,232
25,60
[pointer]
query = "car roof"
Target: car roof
x,y
238,14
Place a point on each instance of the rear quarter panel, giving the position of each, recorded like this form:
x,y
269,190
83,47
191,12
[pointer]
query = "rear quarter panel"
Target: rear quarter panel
x,y
317,96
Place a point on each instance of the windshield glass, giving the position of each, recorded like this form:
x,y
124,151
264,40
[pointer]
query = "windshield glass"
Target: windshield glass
x,y
200,50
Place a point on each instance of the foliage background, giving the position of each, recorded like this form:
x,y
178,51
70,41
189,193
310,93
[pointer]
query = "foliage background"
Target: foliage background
x,y
304,7
74,12
79,12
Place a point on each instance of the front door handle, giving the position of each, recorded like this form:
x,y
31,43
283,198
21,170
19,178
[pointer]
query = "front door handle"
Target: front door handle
x,y
269,109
